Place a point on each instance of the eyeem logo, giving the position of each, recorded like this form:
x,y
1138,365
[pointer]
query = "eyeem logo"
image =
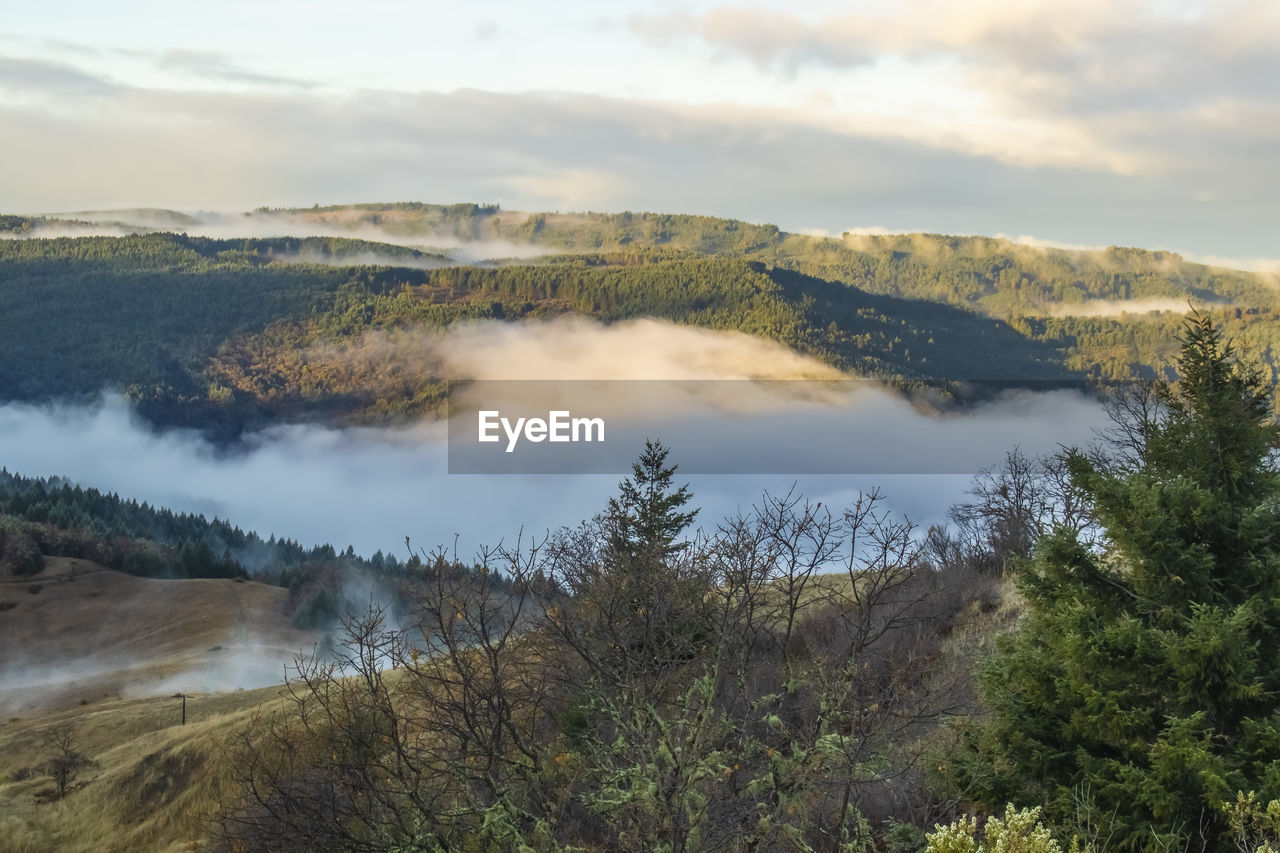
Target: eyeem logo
x,y
560,426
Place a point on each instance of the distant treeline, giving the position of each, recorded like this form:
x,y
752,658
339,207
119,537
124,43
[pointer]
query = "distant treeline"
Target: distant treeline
x,y
157,542
51,517
996,275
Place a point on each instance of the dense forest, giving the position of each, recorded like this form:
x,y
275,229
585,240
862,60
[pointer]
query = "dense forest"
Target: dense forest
x,y
226,335
995,275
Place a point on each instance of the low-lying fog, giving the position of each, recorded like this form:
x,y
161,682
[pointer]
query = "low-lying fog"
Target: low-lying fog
x,y
370,488
221,226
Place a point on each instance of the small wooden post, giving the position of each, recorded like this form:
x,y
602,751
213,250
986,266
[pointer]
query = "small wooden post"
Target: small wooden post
x,y
184,709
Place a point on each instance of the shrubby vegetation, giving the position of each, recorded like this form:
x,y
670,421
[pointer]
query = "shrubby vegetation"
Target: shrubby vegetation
x,y
1019,831
772,685
799,678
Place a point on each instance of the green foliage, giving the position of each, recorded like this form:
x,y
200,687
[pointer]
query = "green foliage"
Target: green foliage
x,y
1145,673
1255,828
19,552
1019,831
647,515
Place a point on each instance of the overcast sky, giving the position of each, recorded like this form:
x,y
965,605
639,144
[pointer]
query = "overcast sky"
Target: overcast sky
x,y
1089,122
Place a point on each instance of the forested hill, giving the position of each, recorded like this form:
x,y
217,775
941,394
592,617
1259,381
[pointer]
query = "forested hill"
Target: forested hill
x,y
224,335
992,275
232,334
995,276
51,517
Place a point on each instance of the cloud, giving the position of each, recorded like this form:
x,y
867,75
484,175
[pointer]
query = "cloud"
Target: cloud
x,y
1116,307
219,225
1112,84
215,65
1043,243
1089,56
1267,266
573,348
547,150
645,364
37,78
768,39
372,487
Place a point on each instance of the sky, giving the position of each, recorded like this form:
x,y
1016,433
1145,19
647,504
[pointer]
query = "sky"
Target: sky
x,y
1090,122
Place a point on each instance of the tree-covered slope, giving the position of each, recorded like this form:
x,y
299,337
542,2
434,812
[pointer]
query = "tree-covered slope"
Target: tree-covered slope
x,y
224,334
229,334
994,275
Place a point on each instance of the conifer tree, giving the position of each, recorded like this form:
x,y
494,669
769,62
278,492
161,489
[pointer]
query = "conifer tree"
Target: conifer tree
x,y
642,606
645,518
1142,688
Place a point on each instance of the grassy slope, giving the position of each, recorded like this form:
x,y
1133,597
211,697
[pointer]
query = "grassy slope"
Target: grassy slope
x,y
105,635
155,782
154,786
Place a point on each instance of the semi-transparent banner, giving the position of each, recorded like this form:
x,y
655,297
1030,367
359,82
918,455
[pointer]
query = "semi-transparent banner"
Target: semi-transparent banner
x,y
764,427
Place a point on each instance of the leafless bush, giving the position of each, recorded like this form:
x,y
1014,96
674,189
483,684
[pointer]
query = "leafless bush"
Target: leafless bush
x,y
64,760
770,684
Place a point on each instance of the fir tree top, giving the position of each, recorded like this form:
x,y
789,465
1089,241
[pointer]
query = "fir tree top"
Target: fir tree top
x,y
647,515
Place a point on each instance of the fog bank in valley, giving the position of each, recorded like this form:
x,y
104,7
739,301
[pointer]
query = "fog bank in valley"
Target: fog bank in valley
x,y
372,487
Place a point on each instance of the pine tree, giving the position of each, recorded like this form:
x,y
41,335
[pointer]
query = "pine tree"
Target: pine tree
x,y
647,516
1142,688
642,606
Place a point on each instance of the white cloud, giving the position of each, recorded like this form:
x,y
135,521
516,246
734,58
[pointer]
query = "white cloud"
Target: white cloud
x,y
1042,243
1090,84
1269,266
1100,123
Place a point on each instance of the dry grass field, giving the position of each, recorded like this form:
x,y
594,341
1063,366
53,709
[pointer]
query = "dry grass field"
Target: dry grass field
x,y
77,631
154,783
104,653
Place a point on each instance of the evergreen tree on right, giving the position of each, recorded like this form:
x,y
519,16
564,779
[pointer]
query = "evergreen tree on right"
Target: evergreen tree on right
x,y
1141,689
